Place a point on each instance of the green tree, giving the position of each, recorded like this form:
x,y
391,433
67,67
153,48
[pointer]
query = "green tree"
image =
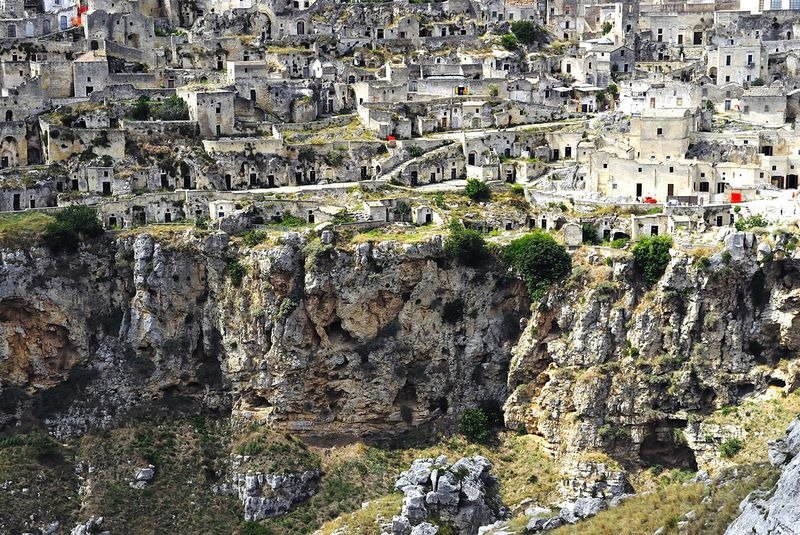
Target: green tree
x,y
170,109
477,190
509,41
607,27
539,260
467,245
651,256
71,226
528,32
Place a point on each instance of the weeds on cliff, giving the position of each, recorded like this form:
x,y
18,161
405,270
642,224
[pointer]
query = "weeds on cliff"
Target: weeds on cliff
x,y
254,237
236,272
730,448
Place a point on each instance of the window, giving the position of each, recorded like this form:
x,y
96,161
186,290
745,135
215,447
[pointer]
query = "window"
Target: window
x,y
671,169
680,101
605,166
660,131
727,60
727,78
794,4
749,59
775,4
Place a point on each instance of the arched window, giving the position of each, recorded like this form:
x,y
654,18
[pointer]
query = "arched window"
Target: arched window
x,y
9,115
301,27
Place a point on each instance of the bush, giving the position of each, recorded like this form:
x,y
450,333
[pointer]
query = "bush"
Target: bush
x,y
474,424
466,245
477,190
415,152
236,272
509,41
730,448
746,223
71,226
619,243
170,109
539,260
589,234
254,237
651,256
527,32
607,27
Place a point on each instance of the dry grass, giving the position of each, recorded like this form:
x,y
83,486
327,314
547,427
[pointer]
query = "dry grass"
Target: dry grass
x,y
762,420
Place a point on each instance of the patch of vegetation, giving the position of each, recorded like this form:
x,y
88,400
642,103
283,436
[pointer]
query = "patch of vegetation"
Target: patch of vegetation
x,y
39,480
170,109
528,32
747,223
477,190
466,245
236,272
415,152
23,229
474,425
70,227
730,448
252,238
274,453
509,41
539,260
651,257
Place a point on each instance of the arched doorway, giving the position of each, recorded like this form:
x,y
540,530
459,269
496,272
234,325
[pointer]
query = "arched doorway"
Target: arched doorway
x,y
301,27
9,115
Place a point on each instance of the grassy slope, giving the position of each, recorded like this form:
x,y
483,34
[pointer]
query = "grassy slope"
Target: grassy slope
x,y
22,228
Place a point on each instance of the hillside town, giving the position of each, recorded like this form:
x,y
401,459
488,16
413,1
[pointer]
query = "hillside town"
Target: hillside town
x,y
629,118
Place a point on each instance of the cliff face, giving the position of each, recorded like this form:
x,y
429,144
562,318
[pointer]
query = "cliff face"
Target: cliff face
x,y
379,340
606,364
313,339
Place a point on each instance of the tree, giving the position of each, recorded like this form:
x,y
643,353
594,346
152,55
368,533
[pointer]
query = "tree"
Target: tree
x,y
527,32
607,27
651,257
539,260
477,190
467,245
71,226
509,41
474,424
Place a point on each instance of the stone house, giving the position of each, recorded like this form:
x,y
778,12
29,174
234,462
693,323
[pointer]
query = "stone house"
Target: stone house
x,y
90,73
740,63
765,106
213,109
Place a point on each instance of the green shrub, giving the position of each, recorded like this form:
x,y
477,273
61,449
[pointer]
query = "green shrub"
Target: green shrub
x,y
730,448
509,41
747,223
453,311
71,226
236,272
539,260
589,234
528,32
619,243
201,223
254,237
474,424
254,528
467,245
651,256
415,152
607,27
477,190
289,220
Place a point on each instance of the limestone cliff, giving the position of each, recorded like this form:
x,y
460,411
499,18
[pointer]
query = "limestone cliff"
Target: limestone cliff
x,y
609,365
313,338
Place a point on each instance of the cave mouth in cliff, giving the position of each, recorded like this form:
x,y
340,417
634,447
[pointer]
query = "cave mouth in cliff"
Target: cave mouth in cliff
x,y
665,448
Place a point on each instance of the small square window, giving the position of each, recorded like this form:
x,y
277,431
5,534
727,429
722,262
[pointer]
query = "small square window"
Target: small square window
x,y
660,131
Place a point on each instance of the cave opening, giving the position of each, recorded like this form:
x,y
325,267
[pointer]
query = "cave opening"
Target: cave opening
x,y
666,447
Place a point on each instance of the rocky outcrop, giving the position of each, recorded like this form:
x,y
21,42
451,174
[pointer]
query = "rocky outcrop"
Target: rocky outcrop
x,y
776,511
315,339
607,364
462,496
